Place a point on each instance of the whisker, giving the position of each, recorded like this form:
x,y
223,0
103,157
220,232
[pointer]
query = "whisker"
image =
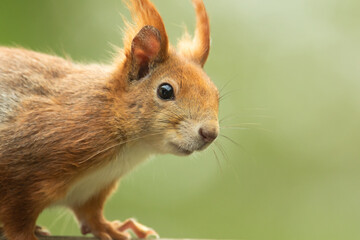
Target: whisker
x,y
225,95
244,114
225,118
238,145
225,85
231,140
242,124
118,144
222,150
195,156
231,79
58,217
263,116
232,166
218,161
235,128
247,128
172,112
254,108
66,222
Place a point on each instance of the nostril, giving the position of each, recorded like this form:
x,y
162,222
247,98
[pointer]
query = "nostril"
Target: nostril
x,y
208,135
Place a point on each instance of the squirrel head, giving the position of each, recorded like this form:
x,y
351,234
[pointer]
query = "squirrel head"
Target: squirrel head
x,y
167,95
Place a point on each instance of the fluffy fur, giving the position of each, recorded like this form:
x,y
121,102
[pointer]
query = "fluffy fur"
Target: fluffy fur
x,y
69,131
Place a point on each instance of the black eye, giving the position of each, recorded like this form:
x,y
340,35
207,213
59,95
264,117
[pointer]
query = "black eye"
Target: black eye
x,y
166,92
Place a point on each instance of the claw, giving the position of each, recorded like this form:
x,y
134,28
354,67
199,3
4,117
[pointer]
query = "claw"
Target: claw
x,y
120,230
151,234
41,232
105,231
138,229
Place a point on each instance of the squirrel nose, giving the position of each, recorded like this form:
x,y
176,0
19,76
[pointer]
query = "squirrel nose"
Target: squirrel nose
x,y
208,134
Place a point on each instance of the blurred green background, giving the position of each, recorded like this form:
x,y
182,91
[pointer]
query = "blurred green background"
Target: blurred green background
x,y
291,77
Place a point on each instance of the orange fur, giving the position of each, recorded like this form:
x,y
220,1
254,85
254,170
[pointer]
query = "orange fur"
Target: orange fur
x,y
69,132
198,48
144,13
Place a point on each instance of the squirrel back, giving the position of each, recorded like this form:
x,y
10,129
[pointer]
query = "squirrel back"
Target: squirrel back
x,y
69,131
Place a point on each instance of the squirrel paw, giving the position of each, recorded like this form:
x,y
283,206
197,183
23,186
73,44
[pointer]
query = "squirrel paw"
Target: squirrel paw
x,y
105,231
41,232
138,229
119,230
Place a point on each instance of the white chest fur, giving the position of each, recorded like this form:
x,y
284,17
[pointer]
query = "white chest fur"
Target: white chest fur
x,y
94,182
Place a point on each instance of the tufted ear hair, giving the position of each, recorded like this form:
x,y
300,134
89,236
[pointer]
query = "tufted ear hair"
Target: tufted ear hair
x,y
144,14
145,43
145,49
198,48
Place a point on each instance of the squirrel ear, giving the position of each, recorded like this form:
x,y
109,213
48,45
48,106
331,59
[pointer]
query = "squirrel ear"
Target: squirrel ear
x,y
145,49
197,49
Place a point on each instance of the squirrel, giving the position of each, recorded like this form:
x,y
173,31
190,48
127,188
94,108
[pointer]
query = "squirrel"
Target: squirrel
x,y
70,131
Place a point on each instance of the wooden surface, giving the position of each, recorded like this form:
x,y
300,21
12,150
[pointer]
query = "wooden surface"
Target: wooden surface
x,y
68,238
59,238
64,238
80,238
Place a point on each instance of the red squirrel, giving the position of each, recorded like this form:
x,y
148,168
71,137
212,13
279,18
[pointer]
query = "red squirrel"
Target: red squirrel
x,y
69,131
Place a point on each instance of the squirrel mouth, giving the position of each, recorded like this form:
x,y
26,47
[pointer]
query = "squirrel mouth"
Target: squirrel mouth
x,y
181,150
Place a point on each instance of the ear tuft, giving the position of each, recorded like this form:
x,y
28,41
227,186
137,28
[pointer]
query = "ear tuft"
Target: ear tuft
x,y
145,49
197,49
